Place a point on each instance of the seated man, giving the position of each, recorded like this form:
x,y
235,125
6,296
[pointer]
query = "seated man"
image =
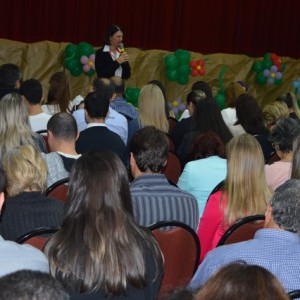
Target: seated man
x,y
32,92
16,257
276,247
153,198
97,136
62,136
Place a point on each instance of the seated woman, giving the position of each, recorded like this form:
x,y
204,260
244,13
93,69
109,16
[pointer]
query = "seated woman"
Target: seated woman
x,y
282,137
274,112
207,168
245,192
100,251
27,208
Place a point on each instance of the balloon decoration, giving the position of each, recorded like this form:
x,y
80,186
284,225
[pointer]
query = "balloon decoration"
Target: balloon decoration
x,y
177,66
177,107
296,85
132,96
220,97
198,67
80,59
269,70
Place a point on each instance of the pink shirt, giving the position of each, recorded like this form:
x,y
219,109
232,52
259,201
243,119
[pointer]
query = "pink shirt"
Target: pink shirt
x,y
211,227
277,173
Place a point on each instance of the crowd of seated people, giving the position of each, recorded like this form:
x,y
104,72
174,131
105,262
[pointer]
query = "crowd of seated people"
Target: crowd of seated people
x,y
114,156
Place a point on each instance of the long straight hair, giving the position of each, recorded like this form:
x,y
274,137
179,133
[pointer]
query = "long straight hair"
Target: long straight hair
x,y
99,246
245,185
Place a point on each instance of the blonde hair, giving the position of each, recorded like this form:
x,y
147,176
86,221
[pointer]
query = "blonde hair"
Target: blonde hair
x,y
14,124
274,112
245,185
152,108
25,170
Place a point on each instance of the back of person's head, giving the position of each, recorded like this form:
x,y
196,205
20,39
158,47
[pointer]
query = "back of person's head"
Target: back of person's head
x,y
195,96
2,179
63,126
10,74
163,90
207,144
25,170
180,294
96,105
119,84
285,205
207,117
32,90
274,112
104,86
31,285
238,281
104,249
59,92
202,86
245,184
295,174
111,30
232,91
284,133
249,114
149,147
152,108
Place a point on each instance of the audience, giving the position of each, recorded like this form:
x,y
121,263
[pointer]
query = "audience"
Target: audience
x,y
274,112
100,250
276,247
32,93
207,168
27,207
154,198
10,79
16,257
282,136
62,135
238,281
152,108
292,103
14,125
31,285
245,192
97,136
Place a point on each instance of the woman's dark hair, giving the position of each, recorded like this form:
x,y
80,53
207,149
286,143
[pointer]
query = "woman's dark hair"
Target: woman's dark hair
x,y
207,144
112,29
99,244
249,114
163,90
207,117
202,86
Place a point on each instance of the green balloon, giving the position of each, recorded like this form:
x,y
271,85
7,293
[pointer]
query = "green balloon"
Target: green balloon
x,y
220,99
278,81
184,57
172,74
71,63
182,79
267,64
71,50
267,56
171,61
257,67
85,49
184,70
261,79
178,52
136,94
90,73
283,68
129,94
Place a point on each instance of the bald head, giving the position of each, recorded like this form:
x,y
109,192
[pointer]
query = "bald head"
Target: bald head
x,y
119,84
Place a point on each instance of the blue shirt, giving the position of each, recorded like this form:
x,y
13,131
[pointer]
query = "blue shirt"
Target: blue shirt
x,y
126,109
154,200
276,250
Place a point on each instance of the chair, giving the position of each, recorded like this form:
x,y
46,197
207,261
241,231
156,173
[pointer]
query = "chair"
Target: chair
x,y
58,190
36,237
172,123
273,158
43,134
216,188
181,249
171,142
294,294
242,230
173,168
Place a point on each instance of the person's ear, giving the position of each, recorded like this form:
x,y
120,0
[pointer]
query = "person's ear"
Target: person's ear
x,y
268,214
77,136
2,198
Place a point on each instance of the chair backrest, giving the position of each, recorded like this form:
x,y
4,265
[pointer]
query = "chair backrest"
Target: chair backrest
x,y
44,135
294,294
181,249
36,237
58,190
242,230
172,123
171,142
216,188
274,157
173,167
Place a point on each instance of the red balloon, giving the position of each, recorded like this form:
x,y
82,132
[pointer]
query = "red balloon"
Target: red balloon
x,y
193,64
277,61
273,56
279,68
201,62
194,72
202,72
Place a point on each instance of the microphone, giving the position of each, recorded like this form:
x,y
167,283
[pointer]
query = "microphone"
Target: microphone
x,y
121,47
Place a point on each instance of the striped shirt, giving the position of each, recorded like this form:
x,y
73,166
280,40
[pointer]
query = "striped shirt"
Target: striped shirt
x,y
155,200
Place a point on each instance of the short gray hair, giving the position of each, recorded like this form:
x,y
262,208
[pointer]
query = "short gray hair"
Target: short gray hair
x,y
285,205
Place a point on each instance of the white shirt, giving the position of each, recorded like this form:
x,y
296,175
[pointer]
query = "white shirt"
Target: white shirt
x,y
39,121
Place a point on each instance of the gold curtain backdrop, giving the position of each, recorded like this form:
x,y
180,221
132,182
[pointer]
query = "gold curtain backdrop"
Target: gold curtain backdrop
x,y
40,60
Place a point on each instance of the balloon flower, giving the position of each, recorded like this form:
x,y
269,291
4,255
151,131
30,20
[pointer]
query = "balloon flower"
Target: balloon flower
x,y
269,70
197,67
296,85
177,107
177,66
80,59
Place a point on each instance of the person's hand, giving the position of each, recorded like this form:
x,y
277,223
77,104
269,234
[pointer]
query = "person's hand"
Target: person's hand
x,y
123,58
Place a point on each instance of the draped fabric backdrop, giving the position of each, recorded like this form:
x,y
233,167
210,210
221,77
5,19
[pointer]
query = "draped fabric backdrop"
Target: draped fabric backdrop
x,y
251,27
